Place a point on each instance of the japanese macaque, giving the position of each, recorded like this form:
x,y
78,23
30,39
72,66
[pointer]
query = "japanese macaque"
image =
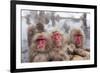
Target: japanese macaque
x,y
77,38
57,51
32,30
39,48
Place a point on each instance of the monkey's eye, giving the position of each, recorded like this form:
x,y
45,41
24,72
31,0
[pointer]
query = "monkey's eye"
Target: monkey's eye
x,y
57,34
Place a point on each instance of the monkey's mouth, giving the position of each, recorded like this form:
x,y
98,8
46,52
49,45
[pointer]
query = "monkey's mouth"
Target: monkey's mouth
x,y
41,43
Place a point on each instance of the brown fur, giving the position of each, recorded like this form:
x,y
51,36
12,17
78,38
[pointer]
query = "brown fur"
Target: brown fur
x,y
83,53
32,30
77,51
58,53
70,50
39,55
40,27
74,32
77,57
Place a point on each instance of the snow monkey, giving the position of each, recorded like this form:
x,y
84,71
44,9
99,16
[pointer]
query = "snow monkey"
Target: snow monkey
x,y
77,38
39,48
32,30
57,51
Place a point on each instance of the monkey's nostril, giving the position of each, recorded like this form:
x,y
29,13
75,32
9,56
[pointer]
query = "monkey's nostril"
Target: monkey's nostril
x,y
50,60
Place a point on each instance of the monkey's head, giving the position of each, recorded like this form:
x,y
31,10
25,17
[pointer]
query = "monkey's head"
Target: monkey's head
x,y
77,37
40,27
57,39
40,42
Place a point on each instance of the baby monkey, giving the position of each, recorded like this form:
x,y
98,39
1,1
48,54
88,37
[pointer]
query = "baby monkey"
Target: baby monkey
x,y
77,38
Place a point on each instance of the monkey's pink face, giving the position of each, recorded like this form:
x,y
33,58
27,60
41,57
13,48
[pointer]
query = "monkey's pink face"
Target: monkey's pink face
x,y
57,38
41,42
78,39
